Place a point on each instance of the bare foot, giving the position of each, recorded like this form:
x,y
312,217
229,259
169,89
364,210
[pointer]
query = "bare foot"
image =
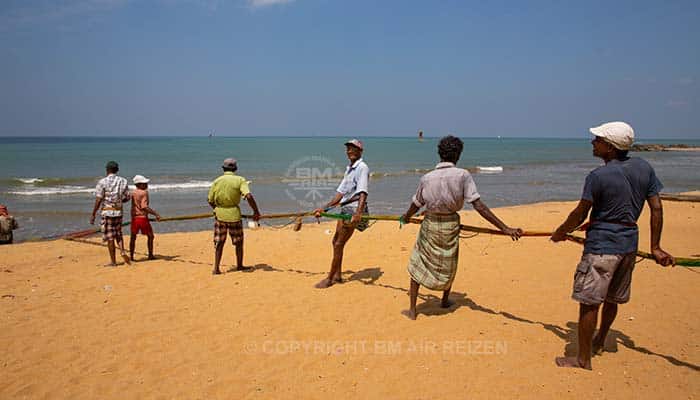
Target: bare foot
x,y
151,257
244,269
410,314
126,258
570,362
597,348
216,272
110,265
323,284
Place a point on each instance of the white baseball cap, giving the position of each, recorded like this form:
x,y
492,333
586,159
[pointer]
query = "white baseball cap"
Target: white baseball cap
x,y
141,179
619,134
356,143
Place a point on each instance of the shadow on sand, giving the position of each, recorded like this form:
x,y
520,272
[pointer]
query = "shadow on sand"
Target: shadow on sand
x,y
431,306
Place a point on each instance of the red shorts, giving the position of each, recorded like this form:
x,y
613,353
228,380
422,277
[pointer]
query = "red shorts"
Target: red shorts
x,y
141,224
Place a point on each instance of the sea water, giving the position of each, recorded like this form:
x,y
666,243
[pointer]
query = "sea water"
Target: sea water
x,y
48,183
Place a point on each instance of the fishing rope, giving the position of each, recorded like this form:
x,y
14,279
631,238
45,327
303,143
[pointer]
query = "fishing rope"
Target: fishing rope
x,y
682,261
298,216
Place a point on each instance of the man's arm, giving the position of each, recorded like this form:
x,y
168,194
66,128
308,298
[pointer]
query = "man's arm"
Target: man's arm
x,y
253,205
576,218
357,217
657,224
210,197
335,200
145,206
417,202
412,210
485,212
149,210
98,202
126,194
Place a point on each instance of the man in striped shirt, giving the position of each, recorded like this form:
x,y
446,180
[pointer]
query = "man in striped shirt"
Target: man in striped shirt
x,y
111,192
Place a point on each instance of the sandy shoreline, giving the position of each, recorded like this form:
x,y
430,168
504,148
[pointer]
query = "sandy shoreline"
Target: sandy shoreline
x,y
169,329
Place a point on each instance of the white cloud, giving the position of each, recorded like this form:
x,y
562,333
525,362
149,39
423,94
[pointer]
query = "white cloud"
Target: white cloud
x,y
265,3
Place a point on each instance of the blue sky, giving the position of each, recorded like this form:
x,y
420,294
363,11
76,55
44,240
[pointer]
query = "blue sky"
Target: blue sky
x,y
332,67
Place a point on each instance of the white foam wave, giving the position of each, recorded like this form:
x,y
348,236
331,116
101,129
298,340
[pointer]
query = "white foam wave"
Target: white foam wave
x,y
491,170
52,191
29,180
59,190
177,186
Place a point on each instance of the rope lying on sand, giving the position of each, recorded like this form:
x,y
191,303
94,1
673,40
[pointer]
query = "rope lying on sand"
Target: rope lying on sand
x,y
679,197
92,231
683,261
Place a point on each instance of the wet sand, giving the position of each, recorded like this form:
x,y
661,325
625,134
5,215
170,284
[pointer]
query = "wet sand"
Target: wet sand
x,y
169,329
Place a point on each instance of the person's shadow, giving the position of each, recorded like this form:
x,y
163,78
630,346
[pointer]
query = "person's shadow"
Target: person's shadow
x,y
368,276
431,306
615,338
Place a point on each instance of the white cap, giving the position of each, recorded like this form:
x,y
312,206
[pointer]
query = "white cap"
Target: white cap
x,y
618,134
141,179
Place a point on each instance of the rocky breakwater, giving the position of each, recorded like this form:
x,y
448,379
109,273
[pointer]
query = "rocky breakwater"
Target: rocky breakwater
x,y
664,147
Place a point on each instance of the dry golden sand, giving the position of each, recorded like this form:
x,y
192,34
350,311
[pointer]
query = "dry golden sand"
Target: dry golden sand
x,y
169,329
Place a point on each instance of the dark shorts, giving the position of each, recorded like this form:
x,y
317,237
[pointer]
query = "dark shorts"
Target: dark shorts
x,y
363,224
141,224
603,277
234,229
111,228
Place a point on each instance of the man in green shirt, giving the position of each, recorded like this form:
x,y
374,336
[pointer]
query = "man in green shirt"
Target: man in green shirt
x,y
224,195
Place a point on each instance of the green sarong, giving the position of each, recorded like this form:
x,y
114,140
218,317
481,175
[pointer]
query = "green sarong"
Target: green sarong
x,y
433,262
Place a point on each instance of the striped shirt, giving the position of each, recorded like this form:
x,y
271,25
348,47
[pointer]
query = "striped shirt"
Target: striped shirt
x,y
113,190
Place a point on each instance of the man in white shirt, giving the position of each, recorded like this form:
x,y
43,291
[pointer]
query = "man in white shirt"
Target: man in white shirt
x,y
352,197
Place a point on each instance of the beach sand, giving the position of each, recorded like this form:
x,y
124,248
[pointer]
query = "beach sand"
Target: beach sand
x,y
169,329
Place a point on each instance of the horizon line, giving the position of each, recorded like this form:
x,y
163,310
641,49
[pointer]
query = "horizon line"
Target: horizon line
x,y
501,137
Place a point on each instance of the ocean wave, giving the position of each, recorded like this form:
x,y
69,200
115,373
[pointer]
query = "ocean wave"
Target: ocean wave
x,y
69,189
177,186
29,180
490,170
46,191
389,174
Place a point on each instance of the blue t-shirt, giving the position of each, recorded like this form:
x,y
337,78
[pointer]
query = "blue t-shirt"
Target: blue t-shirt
x,y
618,191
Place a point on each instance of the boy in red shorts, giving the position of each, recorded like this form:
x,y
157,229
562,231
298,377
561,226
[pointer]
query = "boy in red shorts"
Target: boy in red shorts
x,y
139,215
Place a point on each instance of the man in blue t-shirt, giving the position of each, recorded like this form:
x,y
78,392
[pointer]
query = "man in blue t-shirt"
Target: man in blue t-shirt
x,y
616,193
